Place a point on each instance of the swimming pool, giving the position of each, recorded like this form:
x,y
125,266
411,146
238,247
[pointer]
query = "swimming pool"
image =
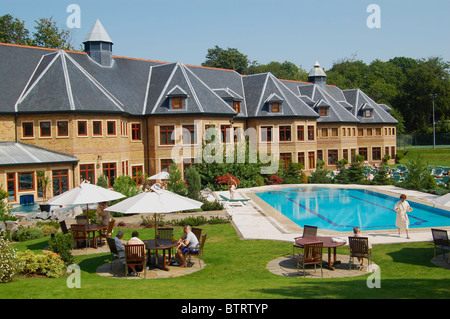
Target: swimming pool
x,y
341,209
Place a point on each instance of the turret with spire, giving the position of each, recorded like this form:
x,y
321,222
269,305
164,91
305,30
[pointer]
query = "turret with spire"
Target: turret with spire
x,y
317,75
98,45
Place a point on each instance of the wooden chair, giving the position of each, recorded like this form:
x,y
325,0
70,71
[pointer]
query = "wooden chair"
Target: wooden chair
x,y
82,220
199,252
308,231
164,233
312,255
114,252
63,227
360,248
135,256
79,233
197,232
106,232
440,239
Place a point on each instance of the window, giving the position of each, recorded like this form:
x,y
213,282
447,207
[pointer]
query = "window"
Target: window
x,y
360,132
343,132
111,128
275,107
345,154
125,167
301,158
353,131
45,129
323,111
82,128
310,132
237,134
135,131
97,128
26,181
27,129
392,151
378,131
165,165
167,135
367,113
334,132
237,106
189,135
285,133
210,132
177,103
60,181
136,174
320,155
311,160
349,132
286,158
386,150
266,133
353,154
300,133
393,131
332,157
11,182
369,132
324,132
87,172
187,162
363,151
62,128
109,170
225,130
376,153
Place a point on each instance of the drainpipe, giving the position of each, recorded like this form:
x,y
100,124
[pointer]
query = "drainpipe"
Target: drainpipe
x,y
15,126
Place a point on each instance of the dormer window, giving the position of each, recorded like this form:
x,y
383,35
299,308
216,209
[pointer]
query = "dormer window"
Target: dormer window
x,y
367,110
323,111
368,113
237,106
177,103
275,107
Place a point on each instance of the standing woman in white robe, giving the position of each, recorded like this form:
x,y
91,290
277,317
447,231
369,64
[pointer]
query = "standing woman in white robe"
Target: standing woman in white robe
x,y
402,208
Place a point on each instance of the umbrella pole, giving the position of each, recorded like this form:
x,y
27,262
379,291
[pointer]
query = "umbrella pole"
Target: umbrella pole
x,y
87,212
156,240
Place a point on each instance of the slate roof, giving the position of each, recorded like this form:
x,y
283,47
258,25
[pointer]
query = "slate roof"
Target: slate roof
x,y
12,153
37,80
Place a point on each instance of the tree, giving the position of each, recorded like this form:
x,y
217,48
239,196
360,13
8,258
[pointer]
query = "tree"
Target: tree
x,y
12,30
49,35
419,176
230,59
194,183
286,70
175,182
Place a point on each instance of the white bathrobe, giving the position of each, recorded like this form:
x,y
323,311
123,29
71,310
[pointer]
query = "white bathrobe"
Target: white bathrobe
x,y
402,220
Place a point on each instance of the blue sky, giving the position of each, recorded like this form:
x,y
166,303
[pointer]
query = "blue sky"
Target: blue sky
x,y
265,30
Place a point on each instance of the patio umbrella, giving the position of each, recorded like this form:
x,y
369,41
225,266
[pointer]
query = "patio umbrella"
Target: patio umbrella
x,y
443,200
87,194
156,201
160,175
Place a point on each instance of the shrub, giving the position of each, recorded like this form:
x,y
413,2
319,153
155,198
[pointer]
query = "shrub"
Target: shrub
x,y
194,183
207,205
62,244
49,229
274,180
8,262
48,264
28,233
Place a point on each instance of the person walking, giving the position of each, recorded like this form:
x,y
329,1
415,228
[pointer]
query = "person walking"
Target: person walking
x,y
402,208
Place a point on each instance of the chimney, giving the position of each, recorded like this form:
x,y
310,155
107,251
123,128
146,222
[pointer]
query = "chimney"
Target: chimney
x,y
98,45
317,75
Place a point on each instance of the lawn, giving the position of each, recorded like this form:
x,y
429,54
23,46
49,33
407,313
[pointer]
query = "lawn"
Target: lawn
x,y
437,156
236,270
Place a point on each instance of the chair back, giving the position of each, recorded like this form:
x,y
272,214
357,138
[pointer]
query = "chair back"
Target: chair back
x,y
82,219
359,246
313,252
134,253
110,227
78,231
309,231
440,237
164,233
63,227
197,232
112,245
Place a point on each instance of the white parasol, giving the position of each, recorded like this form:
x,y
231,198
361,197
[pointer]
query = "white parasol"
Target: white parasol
x,y
160,175
443,200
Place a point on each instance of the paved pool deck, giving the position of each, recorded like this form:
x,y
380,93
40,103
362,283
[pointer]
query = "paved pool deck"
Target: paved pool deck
x,y
259,220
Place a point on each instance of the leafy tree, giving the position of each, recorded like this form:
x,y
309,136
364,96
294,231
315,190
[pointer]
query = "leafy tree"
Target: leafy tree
x,y
102,181
355,173
230,59
175,182
126,185
49,35
12,30
286,70
194,183
419,176
319,176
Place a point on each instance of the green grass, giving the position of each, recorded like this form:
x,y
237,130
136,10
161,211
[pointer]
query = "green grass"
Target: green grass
x,y
438,156
236,270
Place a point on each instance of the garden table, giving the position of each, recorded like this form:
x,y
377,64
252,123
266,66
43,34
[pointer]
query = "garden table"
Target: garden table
x,y
162,244
327,243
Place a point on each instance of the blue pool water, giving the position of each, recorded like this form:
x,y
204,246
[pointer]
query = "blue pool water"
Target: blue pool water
x,y
342,209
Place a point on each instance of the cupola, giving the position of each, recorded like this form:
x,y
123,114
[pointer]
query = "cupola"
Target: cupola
x,y
98,45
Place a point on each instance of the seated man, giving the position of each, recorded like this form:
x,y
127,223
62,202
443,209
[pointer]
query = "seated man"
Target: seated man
x,y
134,241
357,233
187,243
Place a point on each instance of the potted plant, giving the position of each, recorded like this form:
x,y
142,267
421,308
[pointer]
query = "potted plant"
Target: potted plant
x,y
44,182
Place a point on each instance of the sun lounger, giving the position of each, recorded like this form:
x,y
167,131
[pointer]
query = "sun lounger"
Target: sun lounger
x,y
242,200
